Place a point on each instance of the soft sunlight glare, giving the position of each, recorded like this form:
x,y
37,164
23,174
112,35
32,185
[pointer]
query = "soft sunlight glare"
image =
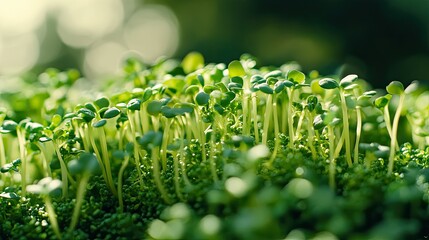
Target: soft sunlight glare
x,y
21,16
103,59
18,53
82,22
152,32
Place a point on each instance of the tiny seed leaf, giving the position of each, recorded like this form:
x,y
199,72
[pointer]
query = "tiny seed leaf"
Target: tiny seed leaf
x,y
328,83
236,69
202,98
111,113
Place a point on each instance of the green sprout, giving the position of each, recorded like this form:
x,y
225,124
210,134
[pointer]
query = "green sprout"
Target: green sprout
x,y
329,83
84,166
395,88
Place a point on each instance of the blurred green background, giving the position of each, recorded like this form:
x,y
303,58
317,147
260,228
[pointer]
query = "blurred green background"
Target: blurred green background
x,y
380,40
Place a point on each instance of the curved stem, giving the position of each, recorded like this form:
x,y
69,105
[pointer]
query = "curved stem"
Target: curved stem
x,y
212,154
80,195
267,119
106,160
290,118
332,163
157,175
276,133
255,118
346,128
120,180
358,134
310,131
52,216
136,151
22,155
393,140
165,137
63,171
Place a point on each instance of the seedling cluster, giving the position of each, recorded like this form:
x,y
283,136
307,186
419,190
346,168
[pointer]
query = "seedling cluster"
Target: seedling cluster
x,y
235,149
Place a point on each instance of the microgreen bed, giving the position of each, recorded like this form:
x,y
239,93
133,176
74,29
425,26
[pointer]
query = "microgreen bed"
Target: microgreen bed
x,y
185,150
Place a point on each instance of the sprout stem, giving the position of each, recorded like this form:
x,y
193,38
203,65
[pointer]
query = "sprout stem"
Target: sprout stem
x,y
267,119
165,143
346,128
63,170
358,134
136,151
299,126
80,194
120,180
276,133
157,175
389,125
393,140
290,118
106,160
332,164
212,153
52,216
255,118
44,155
310,142
183,160
22,154
97,153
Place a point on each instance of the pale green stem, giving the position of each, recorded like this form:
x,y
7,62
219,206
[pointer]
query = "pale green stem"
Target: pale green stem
x,y
299,126
255,117
21,141
284,116
45,160
63,171
177,178
389,125
276,132
183,159
358,134
136,151
157,175
212,154
393,140
120,180
332,163
290,118
97,153
52,216
386,115
2,155
267,118
80,195
340,144
106,160
310,130
346,128
165,138
144,119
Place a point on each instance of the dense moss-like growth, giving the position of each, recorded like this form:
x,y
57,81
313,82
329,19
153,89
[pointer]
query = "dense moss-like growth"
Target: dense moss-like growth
x,y
188,150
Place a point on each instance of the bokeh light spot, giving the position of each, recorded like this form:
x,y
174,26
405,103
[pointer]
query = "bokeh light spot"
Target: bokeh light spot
x,y
18,53
26,16
152,32
300,187
82,22
210,224
103,59
236,186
